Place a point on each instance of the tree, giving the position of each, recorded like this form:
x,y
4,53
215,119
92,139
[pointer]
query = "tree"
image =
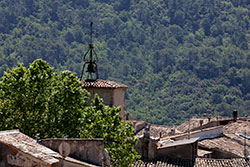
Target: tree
x,y
43,104
105,122
38,101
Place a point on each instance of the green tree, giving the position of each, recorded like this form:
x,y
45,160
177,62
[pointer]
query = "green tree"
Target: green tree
x,y
43,104
102,121
40,103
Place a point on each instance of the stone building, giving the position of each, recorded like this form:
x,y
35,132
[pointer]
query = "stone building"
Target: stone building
x,y
19,150
112,93
151,148
219,141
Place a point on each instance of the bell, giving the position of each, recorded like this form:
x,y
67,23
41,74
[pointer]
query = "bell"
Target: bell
x,y
91,68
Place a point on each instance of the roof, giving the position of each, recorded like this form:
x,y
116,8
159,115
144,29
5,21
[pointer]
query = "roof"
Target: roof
x,y
207,133
155,131
25,144
202,153
231,141
225,144
179,143
164,163
241,126
207,162
77,162
199,162
194,123
102,84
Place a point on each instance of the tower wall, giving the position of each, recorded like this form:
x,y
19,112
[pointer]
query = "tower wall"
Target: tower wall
x,y
111,97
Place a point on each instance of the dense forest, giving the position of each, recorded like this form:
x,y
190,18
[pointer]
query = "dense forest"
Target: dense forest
x,y
180,58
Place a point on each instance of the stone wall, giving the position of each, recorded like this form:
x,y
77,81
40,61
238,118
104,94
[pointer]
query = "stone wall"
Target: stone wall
x,y
119,100
220,154
147,148
111,97
187,151
105,94
86,150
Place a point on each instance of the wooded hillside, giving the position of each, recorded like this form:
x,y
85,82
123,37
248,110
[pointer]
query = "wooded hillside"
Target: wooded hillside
x,y
180,58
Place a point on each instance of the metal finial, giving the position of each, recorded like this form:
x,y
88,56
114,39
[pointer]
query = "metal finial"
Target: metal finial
x,y
91,33
90,59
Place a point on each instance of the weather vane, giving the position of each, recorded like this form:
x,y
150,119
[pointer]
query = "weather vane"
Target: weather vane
x,y
90,60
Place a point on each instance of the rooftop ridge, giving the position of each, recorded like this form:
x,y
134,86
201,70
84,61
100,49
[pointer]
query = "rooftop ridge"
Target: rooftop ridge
x,y
25,144
102,84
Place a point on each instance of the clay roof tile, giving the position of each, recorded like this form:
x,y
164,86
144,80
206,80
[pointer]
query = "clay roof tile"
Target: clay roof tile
x,y
102,84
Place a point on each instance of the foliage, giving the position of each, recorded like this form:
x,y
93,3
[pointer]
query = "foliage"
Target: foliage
x,y
43,104
105,122
38,101
174,55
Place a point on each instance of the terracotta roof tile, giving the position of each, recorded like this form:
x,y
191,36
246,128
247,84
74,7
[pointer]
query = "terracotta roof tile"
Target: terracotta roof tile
x,y
155,131
102,84
231,142
206,162
165,163
225,144
199,162
194,123
25,144
240,126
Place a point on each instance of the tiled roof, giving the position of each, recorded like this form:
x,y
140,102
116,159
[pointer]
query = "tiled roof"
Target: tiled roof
x,y
240,126
165,163
231,142
102,84
25,144
235,162
199,162
155,131
225,144
194,123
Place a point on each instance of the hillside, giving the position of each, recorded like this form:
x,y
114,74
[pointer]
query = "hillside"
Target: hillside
x,y
180,58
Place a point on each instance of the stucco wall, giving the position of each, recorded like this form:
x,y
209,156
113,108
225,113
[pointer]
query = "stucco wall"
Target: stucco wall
x,y
87,150
10,157
111,97
146,147
220,154
187,151
105,94
119,100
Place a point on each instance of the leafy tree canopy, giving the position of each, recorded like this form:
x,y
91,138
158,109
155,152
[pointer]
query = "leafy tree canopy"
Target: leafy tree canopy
x,y
44,104
173,54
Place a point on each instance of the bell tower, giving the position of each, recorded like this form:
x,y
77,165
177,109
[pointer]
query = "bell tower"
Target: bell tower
x,y
112,93
90,60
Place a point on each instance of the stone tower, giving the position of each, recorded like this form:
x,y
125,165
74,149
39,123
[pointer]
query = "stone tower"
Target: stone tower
x,y
112,93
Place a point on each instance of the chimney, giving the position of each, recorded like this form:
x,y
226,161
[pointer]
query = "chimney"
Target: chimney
x,y
235,115
127,117
201,122
172,132
147,131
